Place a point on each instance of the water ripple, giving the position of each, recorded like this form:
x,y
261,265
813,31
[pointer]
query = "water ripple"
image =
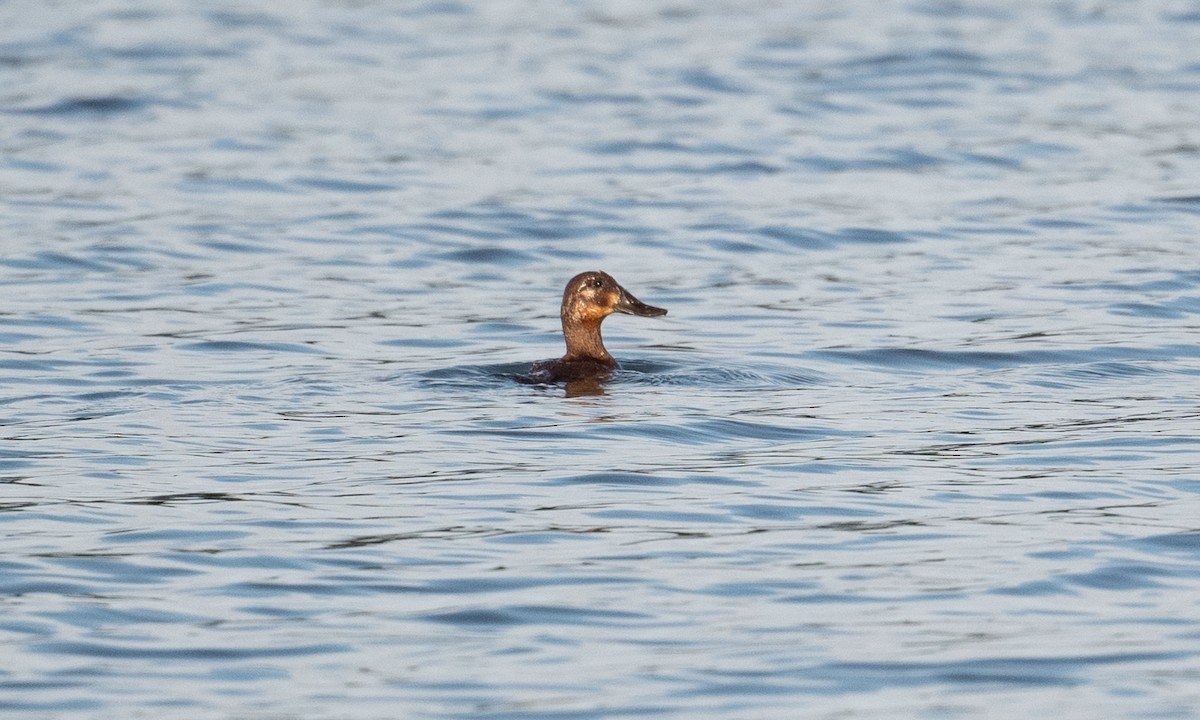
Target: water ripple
x,y
113,651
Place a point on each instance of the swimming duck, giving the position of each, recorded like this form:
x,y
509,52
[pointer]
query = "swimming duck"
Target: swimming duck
x,y
588,299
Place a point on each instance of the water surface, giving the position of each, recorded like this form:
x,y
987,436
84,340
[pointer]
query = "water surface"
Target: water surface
x,y
917,438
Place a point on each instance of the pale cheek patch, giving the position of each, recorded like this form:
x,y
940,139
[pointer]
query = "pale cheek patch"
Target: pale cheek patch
x,y
585,313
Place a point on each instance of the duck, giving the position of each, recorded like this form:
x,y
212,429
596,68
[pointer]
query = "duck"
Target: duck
x,y
588,298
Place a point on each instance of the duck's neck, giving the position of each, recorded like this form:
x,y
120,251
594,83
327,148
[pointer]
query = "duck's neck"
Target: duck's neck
x,y
584,341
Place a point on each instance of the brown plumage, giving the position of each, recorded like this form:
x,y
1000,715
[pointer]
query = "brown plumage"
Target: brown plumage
x,y
588,299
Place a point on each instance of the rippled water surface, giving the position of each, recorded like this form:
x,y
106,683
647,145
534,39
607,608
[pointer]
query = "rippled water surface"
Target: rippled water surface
x,y
919,437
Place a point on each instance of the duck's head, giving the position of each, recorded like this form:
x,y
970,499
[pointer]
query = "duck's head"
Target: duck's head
x,y
592,296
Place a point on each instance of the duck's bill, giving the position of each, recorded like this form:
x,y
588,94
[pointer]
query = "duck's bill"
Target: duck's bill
x,y
630,305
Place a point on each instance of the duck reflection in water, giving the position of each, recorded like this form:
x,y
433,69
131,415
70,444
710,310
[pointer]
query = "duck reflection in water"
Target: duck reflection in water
x,y
588,299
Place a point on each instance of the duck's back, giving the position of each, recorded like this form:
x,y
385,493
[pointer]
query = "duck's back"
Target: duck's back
x,y
564,370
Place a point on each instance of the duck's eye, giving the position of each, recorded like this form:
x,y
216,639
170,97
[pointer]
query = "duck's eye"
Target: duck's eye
x,y
597,283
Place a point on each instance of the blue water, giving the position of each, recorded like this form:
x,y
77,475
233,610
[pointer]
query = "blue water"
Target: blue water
x,y
919,438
